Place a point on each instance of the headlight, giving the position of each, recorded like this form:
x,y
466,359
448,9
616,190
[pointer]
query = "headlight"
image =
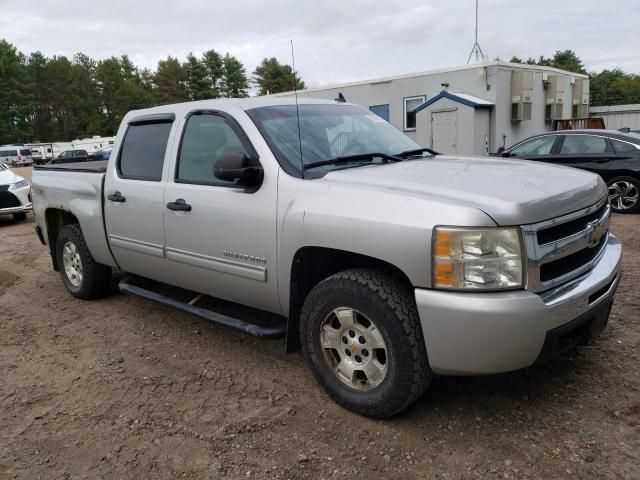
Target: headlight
x,y
477,258
20,184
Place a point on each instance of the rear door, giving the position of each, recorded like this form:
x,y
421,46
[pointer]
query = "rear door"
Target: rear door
x,y
588,152
133,203
225,244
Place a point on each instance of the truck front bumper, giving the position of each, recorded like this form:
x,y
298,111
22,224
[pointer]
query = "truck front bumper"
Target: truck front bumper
x,y
482,333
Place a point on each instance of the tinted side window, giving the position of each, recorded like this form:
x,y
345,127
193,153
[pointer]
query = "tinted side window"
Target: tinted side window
x,y
142,152
583,144
25,151
535,146
206,138
623,147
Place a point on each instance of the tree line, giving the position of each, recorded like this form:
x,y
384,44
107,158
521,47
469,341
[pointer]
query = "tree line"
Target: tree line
x,y
45,99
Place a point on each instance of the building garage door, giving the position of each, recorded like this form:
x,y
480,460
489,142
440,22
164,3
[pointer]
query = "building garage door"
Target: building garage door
x,y
444,131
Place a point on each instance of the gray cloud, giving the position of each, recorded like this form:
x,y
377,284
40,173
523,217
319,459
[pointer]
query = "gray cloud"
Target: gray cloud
x,y
334,40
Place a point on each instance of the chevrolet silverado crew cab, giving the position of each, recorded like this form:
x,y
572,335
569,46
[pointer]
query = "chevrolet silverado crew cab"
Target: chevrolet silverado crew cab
x,y
384,262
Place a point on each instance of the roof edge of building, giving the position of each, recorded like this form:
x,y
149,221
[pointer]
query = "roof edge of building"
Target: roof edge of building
x,y
484,64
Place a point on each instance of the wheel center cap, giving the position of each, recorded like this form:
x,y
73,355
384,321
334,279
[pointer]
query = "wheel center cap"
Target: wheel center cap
x,y
354,347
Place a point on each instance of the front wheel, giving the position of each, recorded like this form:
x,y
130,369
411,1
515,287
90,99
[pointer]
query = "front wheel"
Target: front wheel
x,y
81,274
20,216
361,335
624,194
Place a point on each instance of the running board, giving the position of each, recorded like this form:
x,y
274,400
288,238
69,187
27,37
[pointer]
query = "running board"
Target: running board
x,y
235,323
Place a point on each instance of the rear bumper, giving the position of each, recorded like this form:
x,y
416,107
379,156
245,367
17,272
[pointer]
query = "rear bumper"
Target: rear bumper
x,y
482,333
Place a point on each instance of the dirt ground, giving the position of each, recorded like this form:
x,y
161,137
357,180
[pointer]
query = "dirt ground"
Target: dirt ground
x,y
123,388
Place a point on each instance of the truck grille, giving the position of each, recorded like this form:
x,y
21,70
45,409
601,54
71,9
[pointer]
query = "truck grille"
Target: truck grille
x,y
563,248
4,188
8,200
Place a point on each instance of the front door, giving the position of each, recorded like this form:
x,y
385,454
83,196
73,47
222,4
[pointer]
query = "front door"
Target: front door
x,y
134,205
444,131
225,244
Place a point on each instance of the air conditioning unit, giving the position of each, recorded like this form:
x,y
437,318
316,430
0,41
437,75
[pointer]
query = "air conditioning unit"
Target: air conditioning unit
x,y
554,97
521,95
553,111
580,97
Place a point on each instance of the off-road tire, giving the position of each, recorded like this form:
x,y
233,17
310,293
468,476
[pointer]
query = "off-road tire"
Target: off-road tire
x,y
391,307
96,278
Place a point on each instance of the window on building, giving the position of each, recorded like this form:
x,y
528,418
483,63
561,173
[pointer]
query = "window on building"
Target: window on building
x,y
579,144
143,150
410,103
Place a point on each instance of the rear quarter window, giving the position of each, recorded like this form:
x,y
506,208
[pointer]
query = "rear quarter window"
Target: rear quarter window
x,y
623,147
142,153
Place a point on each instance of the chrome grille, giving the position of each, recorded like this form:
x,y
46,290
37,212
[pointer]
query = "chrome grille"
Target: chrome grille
x,y
573,243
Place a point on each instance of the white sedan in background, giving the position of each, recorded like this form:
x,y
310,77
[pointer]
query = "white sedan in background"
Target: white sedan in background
x,y
15,194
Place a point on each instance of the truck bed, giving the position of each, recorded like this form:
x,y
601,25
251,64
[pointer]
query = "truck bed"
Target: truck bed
x,y
99,166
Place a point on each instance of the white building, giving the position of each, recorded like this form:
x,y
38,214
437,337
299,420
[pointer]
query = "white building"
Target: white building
x,y
472,109
619,116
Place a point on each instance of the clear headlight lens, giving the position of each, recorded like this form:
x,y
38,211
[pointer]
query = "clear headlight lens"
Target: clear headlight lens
x,y
477,258
20,184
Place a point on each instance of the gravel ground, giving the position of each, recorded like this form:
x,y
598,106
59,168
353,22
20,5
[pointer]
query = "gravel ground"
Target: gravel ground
x,y
123,388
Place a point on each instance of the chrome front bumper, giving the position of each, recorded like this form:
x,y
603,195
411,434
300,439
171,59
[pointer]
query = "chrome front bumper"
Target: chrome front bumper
x,y
481,333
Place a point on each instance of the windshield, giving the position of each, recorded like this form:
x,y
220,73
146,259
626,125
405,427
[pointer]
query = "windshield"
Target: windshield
x,y
326,132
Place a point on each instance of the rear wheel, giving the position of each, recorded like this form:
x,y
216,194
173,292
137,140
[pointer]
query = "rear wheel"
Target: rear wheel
x,y
81,274
624,194
361,335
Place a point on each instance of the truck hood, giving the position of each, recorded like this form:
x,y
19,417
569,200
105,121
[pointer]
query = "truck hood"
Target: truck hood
x,y
512,192
7,177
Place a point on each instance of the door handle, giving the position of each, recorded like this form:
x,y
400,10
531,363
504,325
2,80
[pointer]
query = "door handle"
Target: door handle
x,y
116,197
179,206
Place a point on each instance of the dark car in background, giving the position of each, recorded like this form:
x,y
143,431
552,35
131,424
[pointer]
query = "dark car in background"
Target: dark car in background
x,y
71,156
102,154
612,154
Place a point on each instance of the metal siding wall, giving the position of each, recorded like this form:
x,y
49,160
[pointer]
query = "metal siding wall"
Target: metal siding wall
x,y
618,116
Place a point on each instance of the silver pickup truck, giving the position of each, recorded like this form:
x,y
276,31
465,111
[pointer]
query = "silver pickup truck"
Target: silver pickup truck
x,y
383,261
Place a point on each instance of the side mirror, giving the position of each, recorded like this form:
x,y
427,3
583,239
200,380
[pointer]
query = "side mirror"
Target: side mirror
x,y
237,167
500,150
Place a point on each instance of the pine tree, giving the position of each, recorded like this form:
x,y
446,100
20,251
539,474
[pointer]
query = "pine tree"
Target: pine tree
x,y
272,77
234,82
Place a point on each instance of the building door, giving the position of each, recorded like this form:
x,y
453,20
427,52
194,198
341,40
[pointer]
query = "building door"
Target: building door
x,y
381,110
444,131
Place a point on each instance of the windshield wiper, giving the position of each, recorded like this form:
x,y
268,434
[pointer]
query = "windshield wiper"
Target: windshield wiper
x,y
417,151
353,158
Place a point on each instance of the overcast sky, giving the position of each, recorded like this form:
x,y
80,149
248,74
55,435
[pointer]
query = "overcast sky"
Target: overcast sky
x,y
335,40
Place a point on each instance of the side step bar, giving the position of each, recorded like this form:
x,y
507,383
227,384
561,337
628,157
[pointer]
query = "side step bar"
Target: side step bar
x,y
279,331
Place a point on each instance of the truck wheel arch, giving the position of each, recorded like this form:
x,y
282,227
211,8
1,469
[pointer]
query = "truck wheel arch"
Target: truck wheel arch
x,y
56,219
311,265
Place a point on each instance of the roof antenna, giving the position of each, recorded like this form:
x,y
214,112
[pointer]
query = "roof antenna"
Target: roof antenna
x,y
340,98
476,46
295,91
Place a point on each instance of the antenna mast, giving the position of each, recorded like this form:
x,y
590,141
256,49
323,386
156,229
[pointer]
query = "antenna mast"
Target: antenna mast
x,y
295,91
476,50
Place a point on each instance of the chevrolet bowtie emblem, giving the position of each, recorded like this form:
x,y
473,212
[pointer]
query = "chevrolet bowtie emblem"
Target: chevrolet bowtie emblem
x,y
597,230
